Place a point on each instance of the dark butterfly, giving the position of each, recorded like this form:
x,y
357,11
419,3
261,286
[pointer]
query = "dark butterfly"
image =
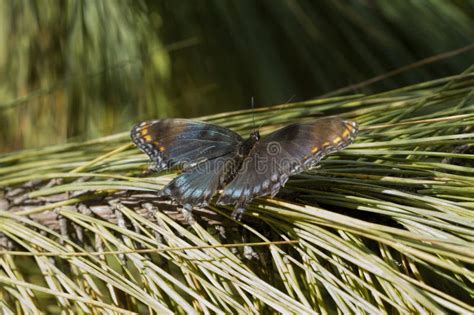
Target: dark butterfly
x,y
214,158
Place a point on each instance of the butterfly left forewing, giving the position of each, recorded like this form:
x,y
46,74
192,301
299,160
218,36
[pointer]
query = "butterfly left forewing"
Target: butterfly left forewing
x,y
285,152
183,143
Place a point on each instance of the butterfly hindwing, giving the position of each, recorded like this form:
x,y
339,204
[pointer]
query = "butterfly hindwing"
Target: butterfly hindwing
x,y
285,152
183,143
195,186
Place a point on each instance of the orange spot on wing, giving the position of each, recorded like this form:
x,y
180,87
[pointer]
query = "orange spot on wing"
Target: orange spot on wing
x,y
147,137
314,150
337,140
162,148
346,133
325,144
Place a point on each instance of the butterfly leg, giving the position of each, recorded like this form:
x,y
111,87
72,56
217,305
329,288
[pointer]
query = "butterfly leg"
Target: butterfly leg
x,y
238,213
187,212
248,252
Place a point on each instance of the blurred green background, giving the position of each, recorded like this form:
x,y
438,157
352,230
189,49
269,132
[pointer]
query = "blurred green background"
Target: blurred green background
x,y
73,70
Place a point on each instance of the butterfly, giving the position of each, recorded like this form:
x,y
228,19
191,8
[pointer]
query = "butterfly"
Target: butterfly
x,y
213,159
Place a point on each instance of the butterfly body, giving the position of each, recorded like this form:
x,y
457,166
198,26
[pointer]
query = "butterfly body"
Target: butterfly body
x,y
215,159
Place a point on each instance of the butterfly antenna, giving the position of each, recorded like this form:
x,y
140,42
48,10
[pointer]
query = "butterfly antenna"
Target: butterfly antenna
x,y
253,112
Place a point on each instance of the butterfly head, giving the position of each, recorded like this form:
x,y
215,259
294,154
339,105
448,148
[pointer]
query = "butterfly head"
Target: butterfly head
x,y
255,135
250,143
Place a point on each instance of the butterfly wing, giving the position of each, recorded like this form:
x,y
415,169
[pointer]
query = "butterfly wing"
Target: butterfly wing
x,y
182,142
195,186
285,152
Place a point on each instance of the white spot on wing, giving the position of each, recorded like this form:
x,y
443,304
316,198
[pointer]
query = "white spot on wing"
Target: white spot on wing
x,y
236,193
266,184
256,189
247,192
